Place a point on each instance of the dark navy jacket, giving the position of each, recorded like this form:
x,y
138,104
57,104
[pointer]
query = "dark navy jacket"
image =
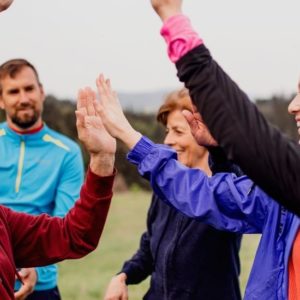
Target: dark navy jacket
x,y
186,259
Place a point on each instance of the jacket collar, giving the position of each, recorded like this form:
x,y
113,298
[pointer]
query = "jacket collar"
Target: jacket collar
x,y
6,130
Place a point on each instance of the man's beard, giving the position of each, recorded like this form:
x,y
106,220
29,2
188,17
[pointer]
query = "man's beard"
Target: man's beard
x,y
25,122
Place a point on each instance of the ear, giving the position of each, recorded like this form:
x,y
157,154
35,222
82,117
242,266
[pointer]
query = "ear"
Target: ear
x,y
2,106
43,96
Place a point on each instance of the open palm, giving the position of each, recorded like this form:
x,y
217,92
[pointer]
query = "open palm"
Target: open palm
x,y
91,131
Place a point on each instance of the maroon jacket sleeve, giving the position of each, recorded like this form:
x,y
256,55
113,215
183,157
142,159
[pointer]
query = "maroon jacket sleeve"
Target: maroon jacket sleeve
x,y
266,155
42,240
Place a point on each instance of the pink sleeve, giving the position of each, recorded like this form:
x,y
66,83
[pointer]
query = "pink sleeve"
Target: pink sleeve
x,y
180,36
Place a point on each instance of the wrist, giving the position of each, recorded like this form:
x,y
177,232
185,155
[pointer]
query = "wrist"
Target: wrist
x,y
128,135
102,164
130,138
168,13
122,277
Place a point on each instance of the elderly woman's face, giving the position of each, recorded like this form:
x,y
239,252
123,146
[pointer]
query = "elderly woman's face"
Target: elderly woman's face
x,y
4,4
294,108
180,138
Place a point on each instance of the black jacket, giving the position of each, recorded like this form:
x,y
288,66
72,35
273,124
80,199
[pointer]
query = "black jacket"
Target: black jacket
x,y
267,156
187,260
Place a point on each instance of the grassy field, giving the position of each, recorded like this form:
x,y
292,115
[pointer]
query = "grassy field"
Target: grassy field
x,y
86,279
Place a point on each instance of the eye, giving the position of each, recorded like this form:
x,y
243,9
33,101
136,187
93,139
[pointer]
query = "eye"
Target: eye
x,y
13,92
179,132
29,88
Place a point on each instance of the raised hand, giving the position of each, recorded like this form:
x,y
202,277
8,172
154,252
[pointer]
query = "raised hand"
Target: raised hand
x,y
111,113
91,132
198,128
117,288
167,8
5,4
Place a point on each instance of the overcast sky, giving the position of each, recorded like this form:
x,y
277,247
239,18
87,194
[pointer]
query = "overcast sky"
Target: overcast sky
x,y
70,41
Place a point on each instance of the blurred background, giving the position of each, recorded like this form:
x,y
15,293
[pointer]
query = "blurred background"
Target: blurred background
x,y
71,41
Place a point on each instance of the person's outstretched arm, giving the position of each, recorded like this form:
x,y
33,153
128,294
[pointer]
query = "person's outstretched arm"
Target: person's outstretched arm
x,y
223,201
42,240
270,158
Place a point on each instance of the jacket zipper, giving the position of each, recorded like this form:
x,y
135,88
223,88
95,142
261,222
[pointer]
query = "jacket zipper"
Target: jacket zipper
x,y
20,166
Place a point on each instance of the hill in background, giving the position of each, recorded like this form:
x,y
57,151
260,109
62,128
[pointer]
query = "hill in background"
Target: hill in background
x,y
143,102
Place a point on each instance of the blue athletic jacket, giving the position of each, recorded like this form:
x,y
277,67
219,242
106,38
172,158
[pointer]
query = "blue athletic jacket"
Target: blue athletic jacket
x,y
231,203
39,173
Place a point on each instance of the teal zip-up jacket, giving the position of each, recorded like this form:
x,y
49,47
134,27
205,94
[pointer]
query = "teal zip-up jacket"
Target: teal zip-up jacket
x,y
39,173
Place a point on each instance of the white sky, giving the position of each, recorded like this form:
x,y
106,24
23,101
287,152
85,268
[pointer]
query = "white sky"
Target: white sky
x,y
70,41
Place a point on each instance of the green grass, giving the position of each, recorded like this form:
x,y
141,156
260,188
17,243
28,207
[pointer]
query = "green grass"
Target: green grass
x,y
87,278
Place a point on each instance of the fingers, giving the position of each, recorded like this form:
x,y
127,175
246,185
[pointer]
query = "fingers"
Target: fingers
x,y
23,292
192,120
117,289
106,93
79,119
29,279
103,84
81,99
125,295
98,108
91,97
85,100
189,116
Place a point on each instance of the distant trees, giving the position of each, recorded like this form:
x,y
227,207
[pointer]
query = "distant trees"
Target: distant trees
x,y
275,110
59,115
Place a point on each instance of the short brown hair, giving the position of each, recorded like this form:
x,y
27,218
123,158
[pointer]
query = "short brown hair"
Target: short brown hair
x,y
178,100
13,66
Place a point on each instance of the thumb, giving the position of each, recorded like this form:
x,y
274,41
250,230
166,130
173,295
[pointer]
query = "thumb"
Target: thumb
x,y
79,118
190,117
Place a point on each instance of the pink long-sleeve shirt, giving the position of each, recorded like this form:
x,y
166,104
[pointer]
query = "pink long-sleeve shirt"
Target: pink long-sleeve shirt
x,y
179,36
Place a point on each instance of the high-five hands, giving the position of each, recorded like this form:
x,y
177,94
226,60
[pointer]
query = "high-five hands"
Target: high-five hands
x,y
110,111
100,122
91,132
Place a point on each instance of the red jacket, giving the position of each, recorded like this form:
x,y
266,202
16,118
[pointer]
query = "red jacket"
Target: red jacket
x,y
29,241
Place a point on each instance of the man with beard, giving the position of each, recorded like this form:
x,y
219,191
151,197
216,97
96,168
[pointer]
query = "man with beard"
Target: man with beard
x,y
41,171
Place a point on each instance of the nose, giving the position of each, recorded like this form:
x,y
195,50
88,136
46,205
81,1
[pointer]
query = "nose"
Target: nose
x,y
169,140
294,106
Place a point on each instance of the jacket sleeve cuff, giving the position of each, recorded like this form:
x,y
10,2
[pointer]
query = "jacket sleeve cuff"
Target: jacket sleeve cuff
x,y
140,150
179,36
98,186
130,274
